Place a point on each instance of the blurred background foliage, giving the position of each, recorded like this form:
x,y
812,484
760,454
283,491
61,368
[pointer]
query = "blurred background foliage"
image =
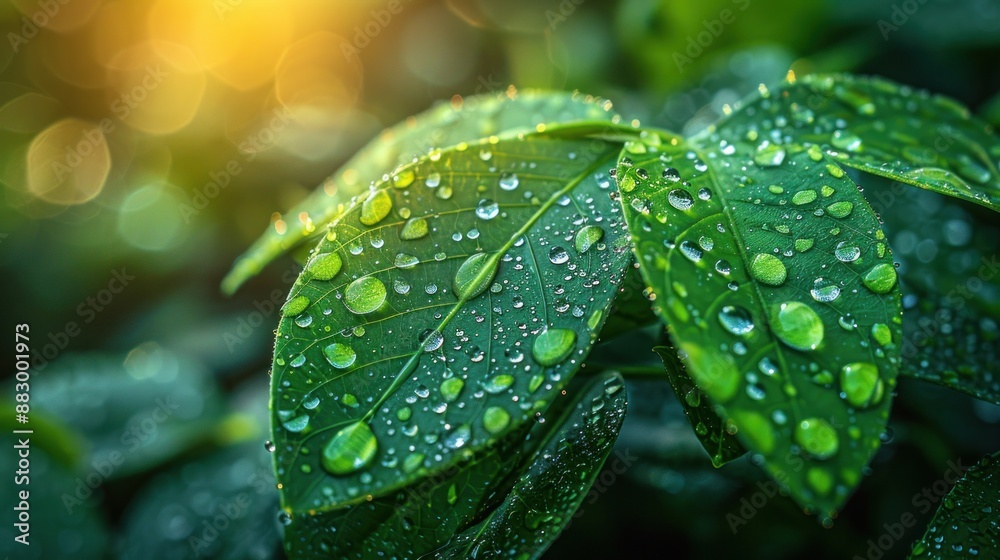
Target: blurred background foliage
x,y
145,143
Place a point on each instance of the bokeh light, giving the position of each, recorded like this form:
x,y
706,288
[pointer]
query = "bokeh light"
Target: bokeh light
x,y
68,162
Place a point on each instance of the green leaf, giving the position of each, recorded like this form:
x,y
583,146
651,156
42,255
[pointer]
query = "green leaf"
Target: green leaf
x,y
542,502
952,343
876,126
722,446
966,525
133,416
443,126
221,506
402,350
772,272
60,525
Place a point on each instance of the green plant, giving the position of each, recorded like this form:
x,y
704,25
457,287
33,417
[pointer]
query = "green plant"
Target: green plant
x,y
429,389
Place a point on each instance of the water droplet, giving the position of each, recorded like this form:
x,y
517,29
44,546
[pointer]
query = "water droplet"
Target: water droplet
x,y
405,261
375,207
508,181
824,294
691,251
840,209
768,269
797,325
487,209
414,228
297,424
803,245
817,437
861,384
294,306
431,340
364,295
400,286
845,140
339,355
475,275
459,437
881,278
736,320
558,255
804,197
269,446
553,346
433,180
451,388
403,178
846,252
351,449
495,419
498,384
587,237
671,174
881,333
324,266
680,199
769,155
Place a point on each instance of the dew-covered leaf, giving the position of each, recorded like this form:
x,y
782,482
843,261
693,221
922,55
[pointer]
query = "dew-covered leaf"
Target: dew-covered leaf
x,y
699,409
776,281
877,126
542,502
443,126
952,343
440,314
967,524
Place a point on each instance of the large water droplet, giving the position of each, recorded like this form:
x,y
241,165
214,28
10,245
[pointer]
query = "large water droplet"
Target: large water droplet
x,y
861,384
847,252
431,340
587,237
553,346
880,279
414,228
797,325
294,306
817,437
769,155
451,388
375,207
487,209
324,266
736,320
824,293
364,295
339,355
768,269
680,199
508,181
558,255
351,449
495,419
475,275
